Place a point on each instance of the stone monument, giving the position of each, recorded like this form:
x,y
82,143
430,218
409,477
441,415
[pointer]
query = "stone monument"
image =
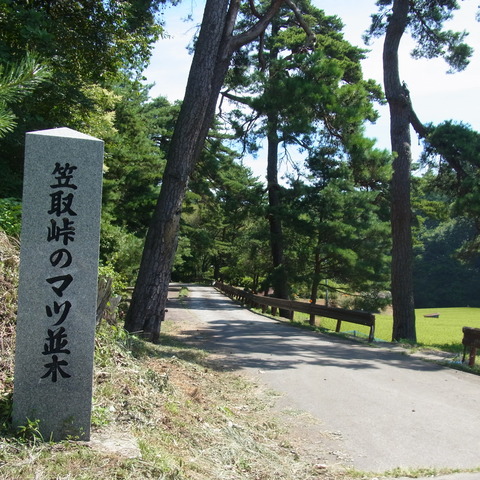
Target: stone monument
x,y
58,283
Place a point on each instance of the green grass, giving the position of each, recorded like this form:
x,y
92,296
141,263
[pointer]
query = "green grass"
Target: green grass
x,y
444,333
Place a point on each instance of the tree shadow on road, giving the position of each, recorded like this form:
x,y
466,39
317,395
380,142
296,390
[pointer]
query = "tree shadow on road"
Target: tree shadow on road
x,y
253,341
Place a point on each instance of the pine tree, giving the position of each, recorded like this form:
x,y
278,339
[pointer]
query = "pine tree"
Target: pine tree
x,y
424,21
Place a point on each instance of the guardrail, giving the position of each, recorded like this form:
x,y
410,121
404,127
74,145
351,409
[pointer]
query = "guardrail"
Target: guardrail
x,y
340,314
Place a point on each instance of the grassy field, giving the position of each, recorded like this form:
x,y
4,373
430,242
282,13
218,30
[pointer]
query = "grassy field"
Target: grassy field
x,y
444,332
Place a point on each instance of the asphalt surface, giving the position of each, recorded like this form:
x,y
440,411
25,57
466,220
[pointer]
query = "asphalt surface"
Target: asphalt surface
x,y
378,408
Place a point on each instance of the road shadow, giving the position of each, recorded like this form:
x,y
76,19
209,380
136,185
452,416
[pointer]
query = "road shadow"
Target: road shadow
x,y
254,341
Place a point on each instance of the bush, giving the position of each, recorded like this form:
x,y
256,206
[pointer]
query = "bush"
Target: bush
x,y
11,216
372,302
121,251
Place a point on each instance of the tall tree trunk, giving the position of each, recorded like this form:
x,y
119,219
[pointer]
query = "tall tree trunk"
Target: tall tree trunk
x,y
401,214
213,52
147,309
279,279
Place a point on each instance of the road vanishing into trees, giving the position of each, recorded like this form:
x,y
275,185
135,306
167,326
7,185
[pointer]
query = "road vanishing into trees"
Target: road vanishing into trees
x,y
373,408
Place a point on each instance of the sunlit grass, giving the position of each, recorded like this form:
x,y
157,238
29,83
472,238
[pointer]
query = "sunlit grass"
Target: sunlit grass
x,y
444,332
178,411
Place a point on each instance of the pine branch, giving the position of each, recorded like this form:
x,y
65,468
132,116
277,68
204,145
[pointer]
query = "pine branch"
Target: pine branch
x,y
7,121
19,80
256,30
300,19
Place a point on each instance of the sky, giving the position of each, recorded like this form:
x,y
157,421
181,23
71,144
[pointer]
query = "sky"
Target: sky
x,y
436,95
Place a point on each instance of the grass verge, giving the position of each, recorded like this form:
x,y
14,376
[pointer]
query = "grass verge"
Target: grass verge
x,y
185,418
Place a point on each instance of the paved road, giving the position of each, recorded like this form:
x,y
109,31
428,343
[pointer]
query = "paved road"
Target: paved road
x,y
383,409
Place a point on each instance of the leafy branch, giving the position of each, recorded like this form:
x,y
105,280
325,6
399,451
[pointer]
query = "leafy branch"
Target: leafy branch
x,y
17,81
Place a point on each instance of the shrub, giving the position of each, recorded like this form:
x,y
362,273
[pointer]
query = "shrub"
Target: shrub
x,y
10,216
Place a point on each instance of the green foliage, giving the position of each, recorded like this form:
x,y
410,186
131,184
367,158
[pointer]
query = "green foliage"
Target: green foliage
x,y
92,38
425,25
313,92
85,67
424,20
249,263
9,262
337,228
17,81
134,162
6,407
101,416
442,279
118,279
371,301
87,47
112,344
11,216
30,431
452,152
224,199
120,251
304,87
135,157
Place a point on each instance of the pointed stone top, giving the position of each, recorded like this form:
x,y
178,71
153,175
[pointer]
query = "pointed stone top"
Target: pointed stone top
x,y
64,132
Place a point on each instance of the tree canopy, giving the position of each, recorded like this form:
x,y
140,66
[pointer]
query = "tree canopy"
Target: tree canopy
x,y
86,46
174,174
